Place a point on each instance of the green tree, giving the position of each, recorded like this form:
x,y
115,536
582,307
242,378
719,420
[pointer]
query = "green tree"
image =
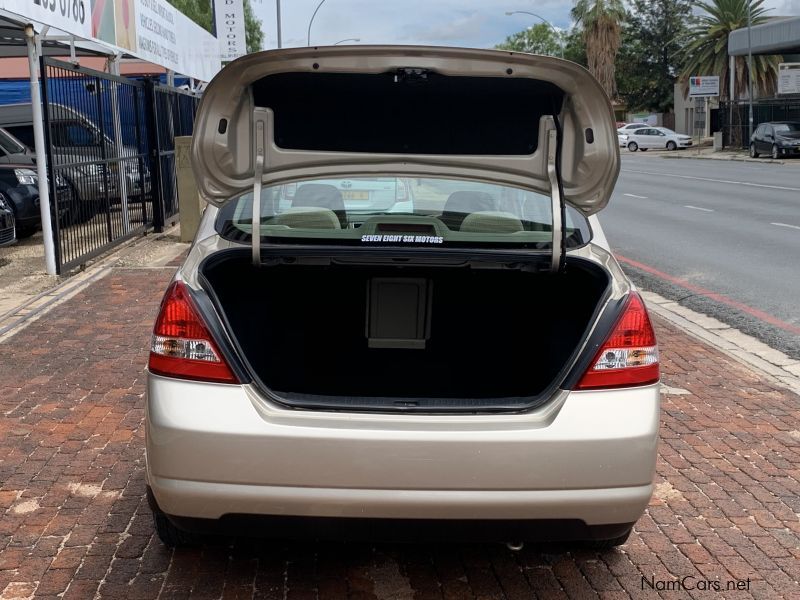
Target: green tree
x,y
706,48
575,47
651,44
252,29
200,12
536,39
601,23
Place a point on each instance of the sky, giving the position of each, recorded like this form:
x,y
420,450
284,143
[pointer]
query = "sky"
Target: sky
x,y
471,23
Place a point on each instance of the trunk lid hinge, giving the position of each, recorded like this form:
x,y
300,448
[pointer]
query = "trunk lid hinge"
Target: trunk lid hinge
x,y
557,206
259,151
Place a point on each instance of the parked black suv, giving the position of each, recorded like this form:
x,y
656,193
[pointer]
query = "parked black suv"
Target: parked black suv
x,y
7,230
779,138
19,184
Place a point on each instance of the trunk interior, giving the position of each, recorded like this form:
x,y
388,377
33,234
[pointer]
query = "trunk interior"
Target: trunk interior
x,y
404,336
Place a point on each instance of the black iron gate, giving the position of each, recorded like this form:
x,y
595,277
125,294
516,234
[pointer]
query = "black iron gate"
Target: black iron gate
x,y
110,156
172,115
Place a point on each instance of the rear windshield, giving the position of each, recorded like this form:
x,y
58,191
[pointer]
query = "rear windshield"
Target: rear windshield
x,y
400,211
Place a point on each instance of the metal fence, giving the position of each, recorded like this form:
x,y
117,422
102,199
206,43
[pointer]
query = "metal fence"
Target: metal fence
x,y
110,151
172,115
733,118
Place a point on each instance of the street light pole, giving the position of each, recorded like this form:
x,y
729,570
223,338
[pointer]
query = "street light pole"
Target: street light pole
x,y
278,9
548,23
749,73
347,40
311,22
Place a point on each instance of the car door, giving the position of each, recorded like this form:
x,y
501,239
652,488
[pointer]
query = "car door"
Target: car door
x,y
644,137
769,139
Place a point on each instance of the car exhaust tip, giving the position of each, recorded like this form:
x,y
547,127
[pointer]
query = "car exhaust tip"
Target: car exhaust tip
x,y
515,546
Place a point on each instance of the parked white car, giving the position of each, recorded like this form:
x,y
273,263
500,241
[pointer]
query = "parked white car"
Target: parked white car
x,y
656,137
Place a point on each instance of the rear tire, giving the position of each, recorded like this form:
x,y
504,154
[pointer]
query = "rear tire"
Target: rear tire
x,y
775,152
167,532
633,146
602,545
672,145
753,153
25,232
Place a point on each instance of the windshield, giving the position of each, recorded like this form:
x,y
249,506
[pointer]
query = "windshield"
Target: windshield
x,y
400,211
786,127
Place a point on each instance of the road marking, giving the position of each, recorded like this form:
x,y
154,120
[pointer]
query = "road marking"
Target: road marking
x,y
635,196
697,208
785,225
761,185
701,291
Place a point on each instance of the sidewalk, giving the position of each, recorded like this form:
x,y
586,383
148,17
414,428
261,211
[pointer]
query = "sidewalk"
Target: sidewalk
x,y
708,153
75,522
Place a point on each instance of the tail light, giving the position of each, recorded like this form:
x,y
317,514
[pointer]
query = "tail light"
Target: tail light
x,y
629,356
182,345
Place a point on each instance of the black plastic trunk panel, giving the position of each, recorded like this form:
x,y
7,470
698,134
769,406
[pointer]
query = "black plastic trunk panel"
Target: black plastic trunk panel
x,y
493,334
428,113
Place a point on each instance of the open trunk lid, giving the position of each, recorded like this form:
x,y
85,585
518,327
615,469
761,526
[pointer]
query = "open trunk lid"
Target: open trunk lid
x,y
514,119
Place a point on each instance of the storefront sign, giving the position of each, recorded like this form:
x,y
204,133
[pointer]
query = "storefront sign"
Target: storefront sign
x,y
230,28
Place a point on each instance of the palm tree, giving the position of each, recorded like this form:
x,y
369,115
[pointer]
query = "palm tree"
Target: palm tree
x,y
706,49
601,21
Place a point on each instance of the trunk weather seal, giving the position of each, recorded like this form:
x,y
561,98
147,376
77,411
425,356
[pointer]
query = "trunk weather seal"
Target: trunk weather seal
x,y
501,405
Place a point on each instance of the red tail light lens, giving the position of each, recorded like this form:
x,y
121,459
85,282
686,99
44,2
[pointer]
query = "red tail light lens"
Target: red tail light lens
x,y
182,345
629,356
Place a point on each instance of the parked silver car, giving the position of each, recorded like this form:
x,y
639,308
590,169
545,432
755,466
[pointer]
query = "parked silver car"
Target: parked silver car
x,y
477,364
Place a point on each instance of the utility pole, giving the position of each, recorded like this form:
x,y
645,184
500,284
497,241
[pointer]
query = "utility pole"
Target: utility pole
x,y
749,73
278,7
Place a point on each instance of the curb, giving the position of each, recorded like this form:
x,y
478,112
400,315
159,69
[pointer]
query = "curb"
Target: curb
x,y
762,161
769,362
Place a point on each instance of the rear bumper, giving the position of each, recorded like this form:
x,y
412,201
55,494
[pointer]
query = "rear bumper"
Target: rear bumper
x,y
215,450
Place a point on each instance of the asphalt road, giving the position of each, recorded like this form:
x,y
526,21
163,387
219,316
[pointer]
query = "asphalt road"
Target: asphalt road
x,y
721,237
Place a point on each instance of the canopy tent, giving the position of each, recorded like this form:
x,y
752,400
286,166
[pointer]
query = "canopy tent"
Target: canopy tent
x,y
53,42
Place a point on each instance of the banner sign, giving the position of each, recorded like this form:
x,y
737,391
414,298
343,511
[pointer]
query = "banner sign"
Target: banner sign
x,y
230,28
152,30
72,16
703,87
789,78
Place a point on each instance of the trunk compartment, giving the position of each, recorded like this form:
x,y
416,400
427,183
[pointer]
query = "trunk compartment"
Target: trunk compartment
x,y
383,336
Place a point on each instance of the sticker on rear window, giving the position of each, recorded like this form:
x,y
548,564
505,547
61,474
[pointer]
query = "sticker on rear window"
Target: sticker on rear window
x,y
404,239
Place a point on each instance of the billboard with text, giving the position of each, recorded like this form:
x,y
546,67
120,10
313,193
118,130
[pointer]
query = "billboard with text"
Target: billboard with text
x,y
152,30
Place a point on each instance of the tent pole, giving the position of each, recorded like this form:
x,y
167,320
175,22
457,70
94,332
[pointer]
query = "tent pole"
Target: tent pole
x,y
113,63
41,156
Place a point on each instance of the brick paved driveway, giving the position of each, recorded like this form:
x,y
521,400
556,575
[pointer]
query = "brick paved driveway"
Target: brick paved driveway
x,y
75,523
